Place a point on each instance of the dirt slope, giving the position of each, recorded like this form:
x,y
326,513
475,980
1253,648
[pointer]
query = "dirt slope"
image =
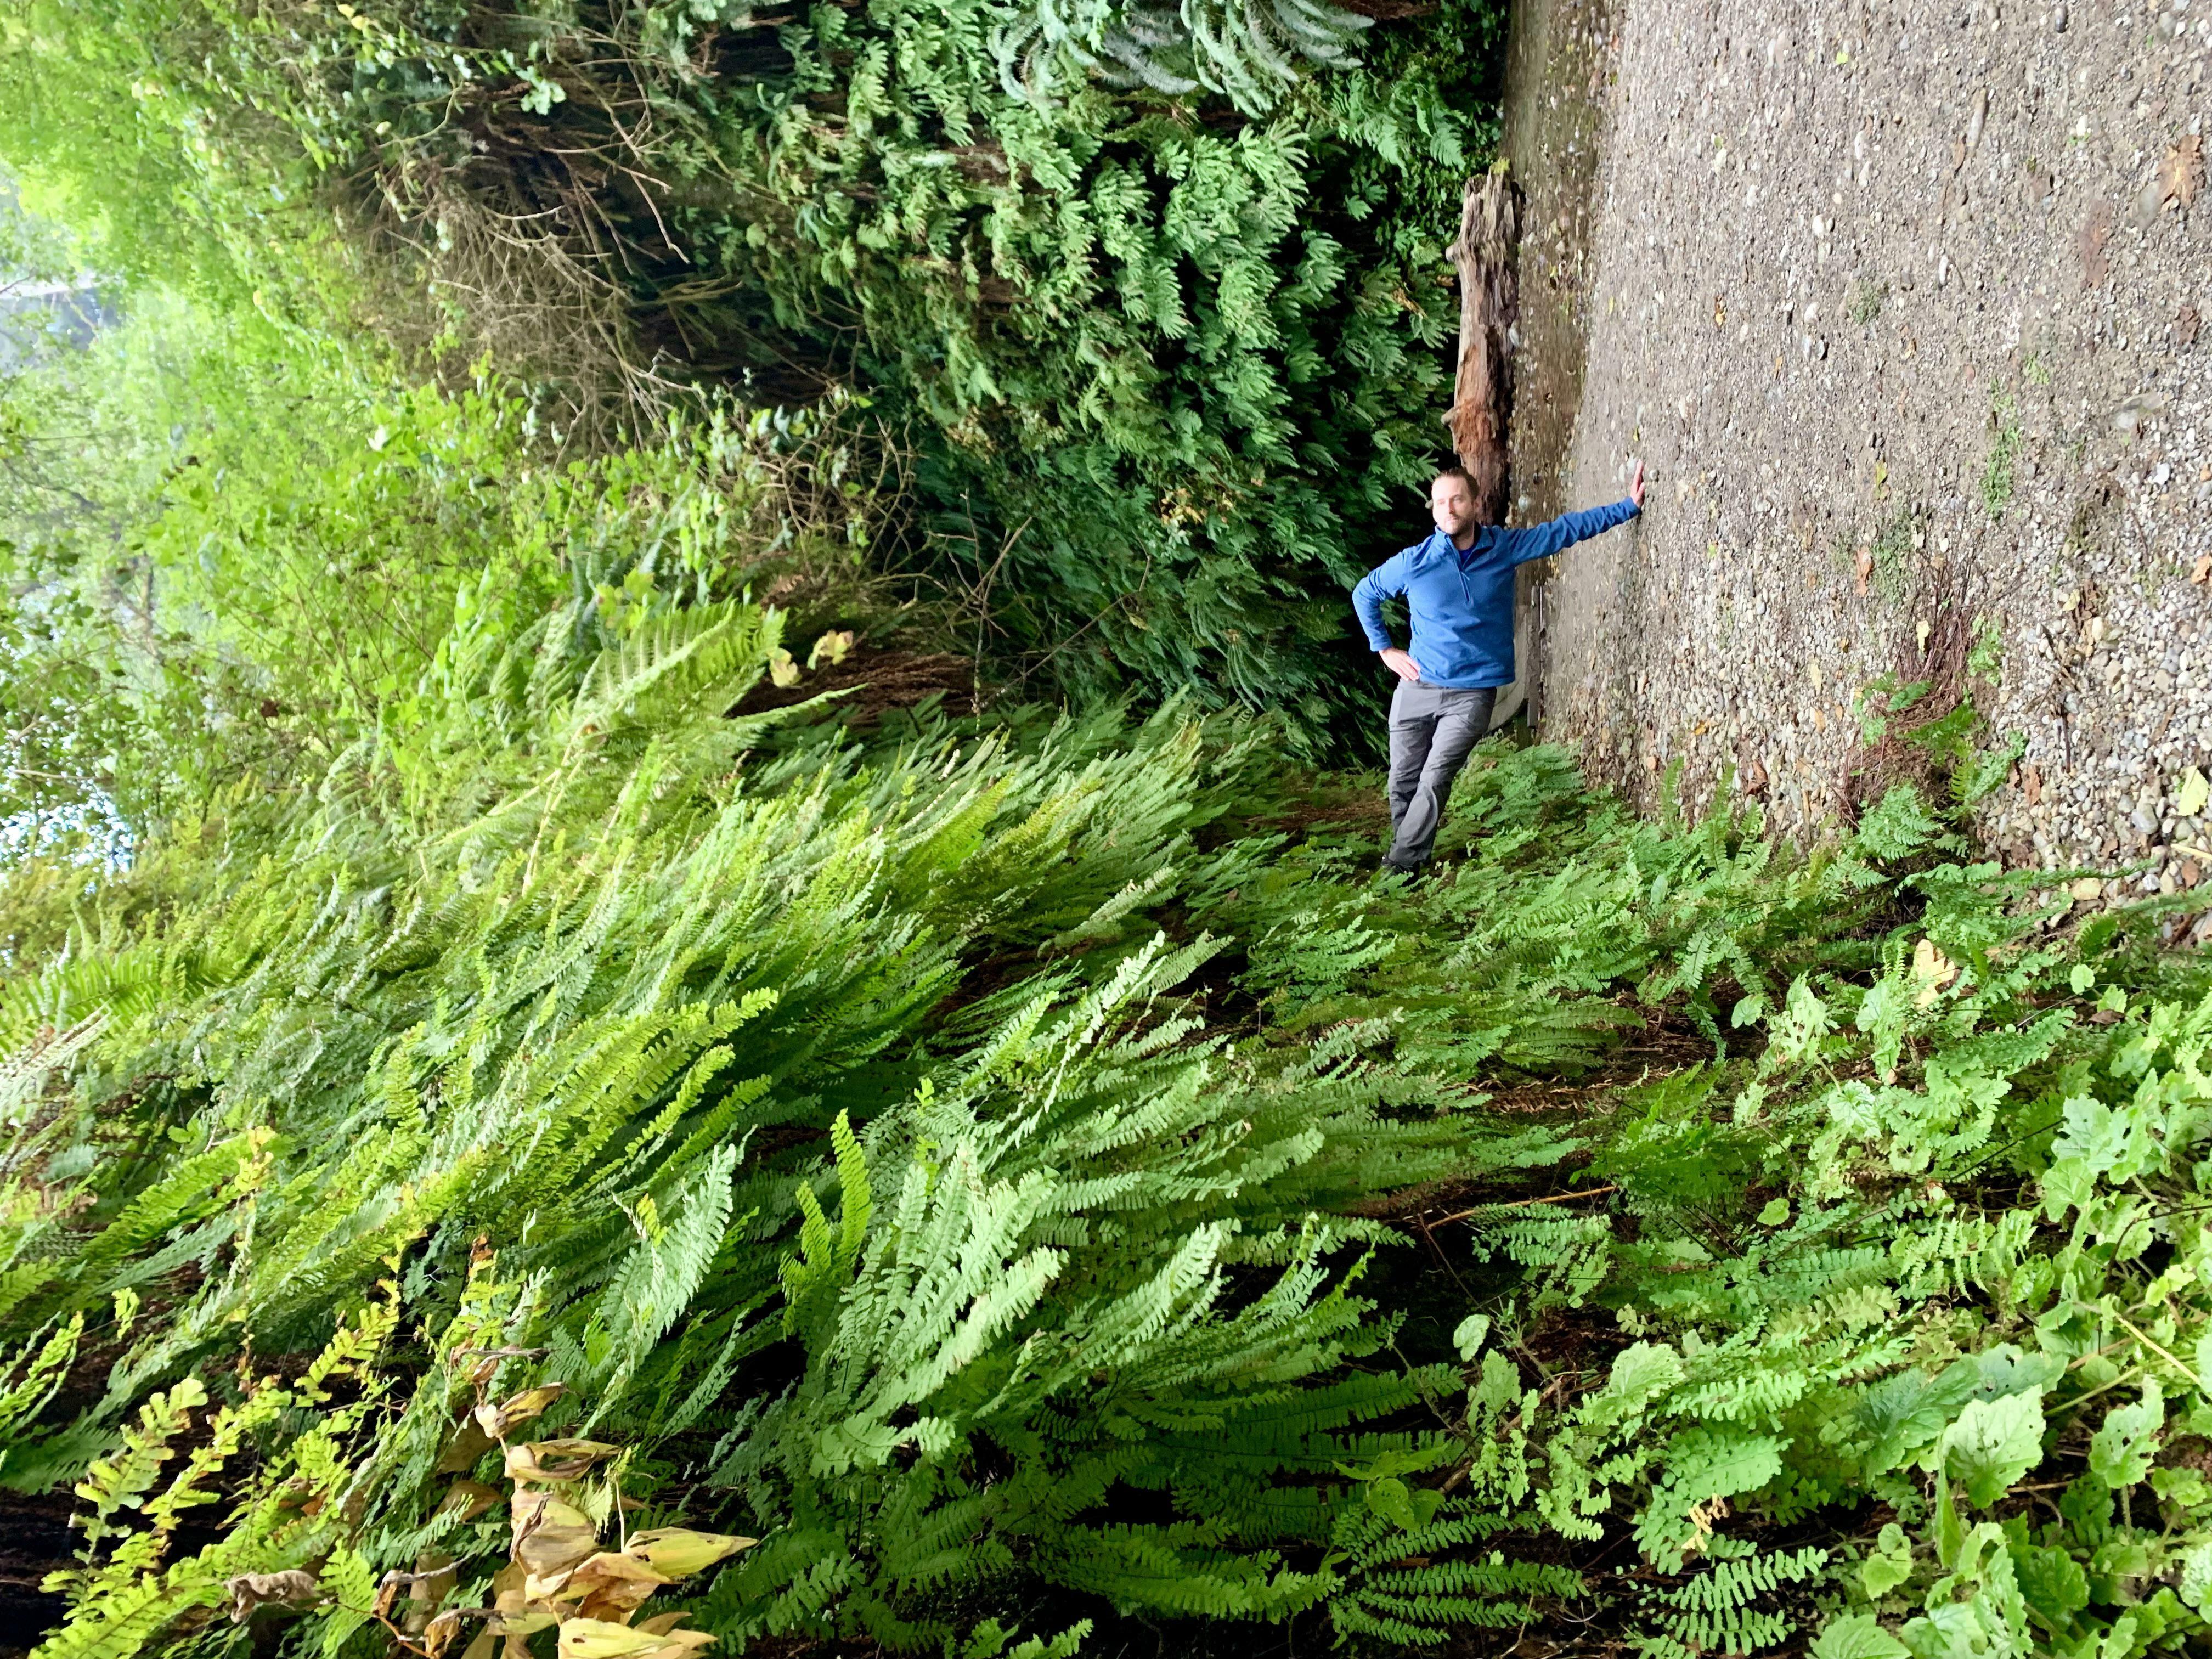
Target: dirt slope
x,y
1901,305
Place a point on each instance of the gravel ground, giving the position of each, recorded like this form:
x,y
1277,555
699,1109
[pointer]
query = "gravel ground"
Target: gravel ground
x,y
1901,306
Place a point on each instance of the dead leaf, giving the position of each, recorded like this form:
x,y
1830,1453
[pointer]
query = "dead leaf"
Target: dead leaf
x,y
436,1574
1754,779
550,1539
2201,572
1865,567
496,1420
295,1589
468,1443
2096,231
2181,173
548,1462
610,1586
437,1635
470,1497
2185,322
508,1586
2031,783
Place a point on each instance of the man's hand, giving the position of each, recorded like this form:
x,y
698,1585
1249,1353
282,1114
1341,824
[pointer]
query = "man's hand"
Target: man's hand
x,y
1636,486
1401,664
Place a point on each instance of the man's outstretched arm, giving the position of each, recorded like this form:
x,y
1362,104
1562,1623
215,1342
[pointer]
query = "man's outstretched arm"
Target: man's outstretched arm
x,y
1542,540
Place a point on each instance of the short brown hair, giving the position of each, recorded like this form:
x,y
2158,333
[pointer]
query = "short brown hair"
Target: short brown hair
x,y
1454,472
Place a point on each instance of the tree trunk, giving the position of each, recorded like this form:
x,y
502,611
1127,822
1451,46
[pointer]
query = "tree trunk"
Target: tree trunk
x,y
1489,302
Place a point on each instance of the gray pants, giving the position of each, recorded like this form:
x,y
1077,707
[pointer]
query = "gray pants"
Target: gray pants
x,y
1432,728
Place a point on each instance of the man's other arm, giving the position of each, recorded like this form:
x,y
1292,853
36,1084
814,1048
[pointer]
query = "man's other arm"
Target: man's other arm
x,y
1386,581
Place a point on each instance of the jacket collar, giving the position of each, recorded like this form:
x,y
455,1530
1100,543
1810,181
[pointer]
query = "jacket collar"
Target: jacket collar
x,y
1439,546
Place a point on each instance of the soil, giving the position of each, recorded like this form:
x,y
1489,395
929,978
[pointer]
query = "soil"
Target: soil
x,y
1903,307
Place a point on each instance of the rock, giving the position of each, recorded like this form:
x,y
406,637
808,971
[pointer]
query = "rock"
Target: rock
x,y
2148,202
2058,18
2087,890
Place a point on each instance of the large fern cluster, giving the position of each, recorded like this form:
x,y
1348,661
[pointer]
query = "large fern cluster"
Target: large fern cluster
x,y
1027,1170
1914,1241
589,977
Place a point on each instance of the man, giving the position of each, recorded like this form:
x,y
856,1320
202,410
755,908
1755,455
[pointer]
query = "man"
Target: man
x,y
1458,585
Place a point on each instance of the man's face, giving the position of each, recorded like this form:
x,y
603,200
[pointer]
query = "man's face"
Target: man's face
x,y
1451,503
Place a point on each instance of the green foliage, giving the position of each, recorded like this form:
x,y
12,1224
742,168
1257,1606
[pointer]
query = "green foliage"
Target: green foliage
x,y
1249,53
984,1158
2004,449
1173,362
238,550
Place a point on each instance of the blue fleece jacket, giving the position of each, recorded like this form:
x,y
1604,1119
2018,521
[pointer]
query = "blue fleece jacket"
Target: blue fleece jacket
x,y
1461,604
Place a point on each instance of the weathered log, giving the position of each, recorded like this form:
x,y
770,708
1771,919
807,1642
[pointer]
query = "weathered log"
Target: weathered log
x,y
1489,302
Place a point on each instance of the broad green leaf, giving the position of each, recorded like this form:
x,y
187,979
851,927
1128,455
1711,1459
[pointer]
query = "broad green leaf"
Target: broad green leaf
x,y
2094,1134
1889,1564
1993,1444
2196,1585
1858,1635
2053,1581
2121,1451
1389,1498
1468,1338
2067,1184
1909,1410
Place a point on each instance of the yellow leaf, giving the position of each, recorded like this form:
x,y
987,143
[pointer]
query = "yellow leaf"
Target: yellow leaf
x,y
2192,793
679,1553
496,1420
1933,969
834,644
783,668
548,1462
610,1586
600,1638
